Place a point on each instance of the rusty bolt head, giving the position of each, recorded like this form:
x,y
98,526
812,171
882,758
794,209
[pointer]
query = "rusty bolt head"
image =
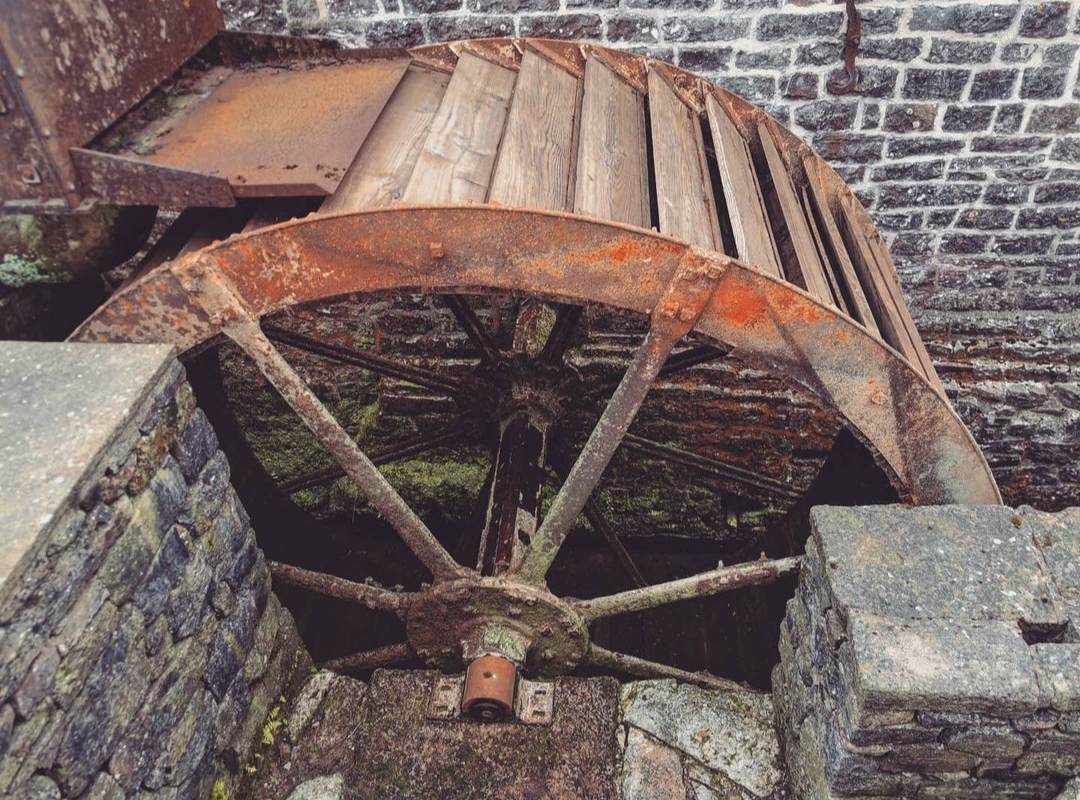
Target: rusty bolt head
x,y
436,249
668,308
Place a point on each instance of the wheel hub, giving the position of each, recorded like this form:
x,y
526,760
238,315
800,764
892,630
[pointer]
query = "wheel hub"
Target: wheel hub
x,y
519,382
458,621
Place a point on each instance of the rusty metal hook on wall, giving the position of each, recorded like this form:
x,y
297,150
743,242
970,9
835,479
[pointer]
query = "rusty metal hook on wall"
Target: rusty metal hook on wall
x,y
849,82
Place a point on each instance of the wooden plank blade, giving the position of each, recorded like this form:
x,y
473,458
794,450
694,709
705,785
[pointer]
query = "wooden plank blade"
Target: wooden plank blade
x,y
612,169
533,167
381,170
684,195
458,156
742,193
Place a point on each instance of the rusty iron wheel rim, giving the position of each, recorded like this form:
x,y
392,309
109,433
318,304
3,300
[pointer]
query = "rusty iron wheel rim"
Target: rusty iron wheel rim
x,y
229,286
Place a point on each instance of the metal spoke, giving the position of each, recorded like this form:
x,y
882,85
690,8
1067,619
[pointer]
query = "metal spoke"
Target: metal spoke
x,y
390,656
678,362
762,484
702,354
643,668
600,525
410,447
674,315
595,456
332,586
562,334
337,441
704,584
474,329
387,367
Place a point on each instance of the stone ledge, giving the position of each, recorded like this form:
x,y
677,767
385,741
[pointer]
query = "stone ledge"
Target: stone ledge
x,y
916,661
62,406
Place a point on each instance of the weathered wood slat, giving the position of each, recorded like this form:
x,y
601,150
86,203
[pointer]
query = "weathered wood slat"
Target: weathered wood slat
x,y
823,253
684,195
382,169
806,267
458,156
612,165
882,286
858,308
533,166
742,193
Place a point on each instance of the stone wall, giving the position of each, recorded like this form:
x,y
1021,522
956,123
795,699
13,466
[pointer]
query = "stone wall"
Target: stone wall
x,y
141,651
933,653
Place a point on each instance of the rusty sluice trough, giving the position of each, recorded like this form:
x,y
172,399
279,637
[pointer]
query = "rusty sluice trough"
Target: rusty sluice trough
x,y
561,328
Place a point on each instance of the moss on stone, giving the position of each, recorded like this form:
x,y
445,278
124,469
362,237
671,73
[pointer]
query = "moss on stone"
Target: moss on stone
x,y
448,486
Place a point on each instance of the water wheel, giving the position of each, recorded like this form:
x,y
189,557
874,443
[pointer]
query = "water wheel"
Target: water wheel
x,y
637,315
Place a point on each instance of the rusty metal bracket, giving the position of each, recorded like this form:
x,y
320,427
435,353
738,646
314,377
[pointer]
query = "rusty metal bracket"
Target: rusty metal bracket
x,y
849,82
534,701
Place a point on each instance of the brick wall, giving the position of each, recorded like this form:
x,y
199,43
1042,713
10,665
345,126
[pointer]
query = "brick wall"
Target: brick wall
x,y
964,143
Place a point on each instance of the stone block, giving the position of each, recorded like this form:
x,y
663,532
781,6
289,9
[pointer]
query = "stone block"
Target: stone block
x,y
925,563
194,446
208,493
1058,539
72,672
188,600
40,787
651,770
992,741
113,692
1057,669
917,664
164,573
41,384
37,683
159,716
731,733
128,560
104,787
184,748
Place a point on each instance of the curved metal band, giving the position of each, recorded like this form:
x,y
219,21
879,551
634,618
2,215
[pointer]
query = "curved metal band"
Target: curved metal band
x,y
453,248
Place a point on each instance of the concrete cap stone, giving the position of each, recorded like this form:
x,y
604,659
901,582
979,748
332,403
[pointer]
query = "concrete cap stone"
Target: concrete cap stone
x,y
935,562
979,666
61,406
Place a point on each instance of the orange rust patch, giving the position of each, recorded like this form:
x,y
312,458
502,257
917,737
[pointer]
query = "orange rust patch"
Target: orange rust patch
x,y
621,252
799,308
739,303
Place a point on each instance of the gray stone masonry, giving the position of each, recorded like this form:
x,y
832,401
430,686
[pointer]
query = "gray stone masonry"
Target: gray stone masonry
x,y
934,652
141,651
